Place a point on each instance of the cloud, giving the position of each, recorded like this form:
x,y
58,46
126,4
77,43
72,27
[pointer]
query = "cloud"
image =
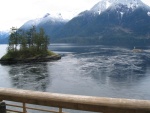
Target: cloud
x,y
16,12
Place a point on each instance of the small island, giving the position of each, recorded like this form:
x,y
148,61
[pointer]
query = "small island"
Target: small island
x,y
28,47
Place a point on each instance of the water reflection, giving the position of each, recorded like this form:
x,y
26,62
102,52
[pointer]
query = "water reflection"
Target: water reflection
x,y
30,76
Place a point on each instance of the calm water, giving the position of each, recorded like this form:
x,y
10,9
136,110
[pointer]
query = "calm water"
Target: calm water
x,y
84,70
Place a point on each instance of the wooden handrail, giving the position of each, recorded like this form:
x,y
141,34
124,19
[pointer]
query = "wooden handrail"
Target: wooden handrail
x,y
76,102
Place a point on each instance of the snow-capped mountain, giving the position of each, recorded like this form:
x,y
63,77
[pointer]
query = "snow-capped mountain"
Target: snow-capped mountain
x,y
51,23
123,5
110,22
47,18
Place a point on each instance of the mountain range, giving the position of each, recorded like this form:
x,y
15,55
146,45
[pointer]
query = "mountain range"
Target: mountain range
x,y
111,22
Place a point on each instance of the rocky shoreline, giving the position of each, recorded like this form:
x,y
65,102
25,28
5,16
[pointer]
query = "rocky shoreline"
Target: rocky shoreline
x,y
30,60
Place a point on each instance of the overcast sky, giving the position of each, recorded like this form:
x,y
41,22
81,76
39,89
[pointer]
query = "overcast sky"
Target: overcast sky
x,y
16,12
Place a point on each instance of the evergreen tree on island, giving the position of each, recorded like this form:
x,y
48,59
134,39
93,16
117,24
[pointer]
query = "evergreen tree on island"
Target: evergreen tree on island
x,y
28,45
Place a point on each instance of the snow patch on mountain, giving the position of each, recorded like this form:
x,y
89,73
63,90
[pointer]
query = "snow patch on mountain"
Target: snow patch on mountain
x,y
148,13
122,13
101,6
108,4
30,23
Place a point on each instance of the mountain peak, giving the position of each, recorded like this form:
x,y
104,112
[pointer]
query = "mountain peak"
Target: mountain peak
x,y
56,15
46,15
105,4
47,18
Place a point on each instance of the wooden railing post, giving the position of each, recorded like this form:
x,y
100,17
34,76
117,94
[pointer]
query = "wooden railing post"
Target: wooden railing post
x,y
2,107
24,108
60,110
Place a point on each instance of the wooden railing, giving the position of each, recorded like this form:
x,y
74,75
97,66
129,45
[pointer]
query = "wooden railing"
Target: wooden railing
x,y
75,102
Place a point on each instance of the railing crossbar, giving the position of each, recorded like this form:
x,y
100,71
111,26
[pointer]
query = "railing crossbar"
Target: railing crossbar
x,y
31,108
14,105
43,110
13,111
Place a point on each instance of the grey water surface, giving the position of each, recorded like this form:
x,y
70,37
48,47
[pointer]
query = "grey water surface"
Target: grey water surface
x,y
92,70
